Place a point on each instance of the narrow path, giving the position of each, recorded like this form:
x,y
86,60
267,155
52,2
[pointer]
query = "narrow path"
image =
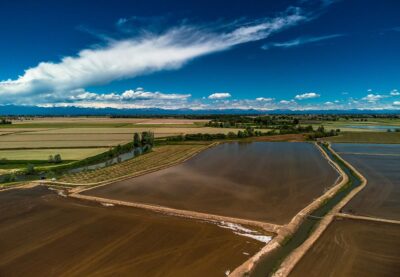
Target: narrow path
x,y
290,262
268,227
376,219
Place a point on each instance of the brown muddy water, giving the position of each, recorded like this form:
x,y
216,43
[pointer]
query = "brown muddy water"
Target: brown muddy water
x,y
381,166
353,248
44,234
266,181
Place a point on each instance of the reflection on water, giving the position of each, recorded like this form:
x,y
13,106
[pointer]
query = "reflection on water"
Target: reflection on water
x,y
115,160
120,158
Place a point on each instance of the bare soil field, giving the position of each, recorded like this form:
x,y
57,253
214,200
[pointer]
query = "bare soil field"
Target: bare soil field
x,y
260,181
44,234
108,119
353,248
381,196
287,137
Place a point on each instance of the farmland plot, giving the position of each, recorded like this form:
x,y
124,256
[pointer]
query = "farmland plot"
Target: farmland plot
x,y
40,228
260,181
353,248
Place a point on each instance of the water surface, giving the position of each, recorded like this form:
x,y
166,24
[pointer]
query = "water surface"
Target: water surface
x,y
268,181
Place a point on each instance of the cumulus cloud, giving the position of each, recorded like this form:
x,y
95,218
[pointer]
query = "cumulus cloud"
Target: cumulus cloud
x,y
286,102
131,57
373,97
394,93
219,95
263,99
308,95
299,41
128,95
396,103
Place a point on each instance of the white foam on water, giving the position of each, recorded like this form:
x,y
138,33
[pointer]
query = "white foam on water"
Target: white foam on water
x,y
59,192
235,227
261,238
243,231
107,204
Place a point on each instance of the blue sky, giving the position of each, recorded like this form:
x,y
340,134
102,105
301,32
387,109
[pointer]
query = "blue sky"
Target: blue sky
x,y
300,55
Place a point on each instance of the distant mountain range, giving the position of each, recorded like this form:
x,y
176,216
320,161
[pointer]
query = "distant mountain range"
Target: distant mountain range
x,y
13,110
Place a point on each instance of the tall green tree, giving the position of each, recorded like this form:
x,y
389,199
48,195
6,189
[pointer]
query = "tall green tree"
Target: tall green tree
x,y
136,140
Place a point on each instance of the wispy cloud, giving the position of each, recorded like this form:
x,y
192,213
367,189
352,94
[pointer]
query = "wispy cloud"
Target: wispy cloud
x,y
299,41
308,95
136,56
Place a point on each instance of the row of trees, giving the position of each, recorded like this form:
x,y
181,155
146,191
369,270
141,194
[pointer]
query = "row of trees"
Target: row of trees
x,y
248,132
312,134
4,121
141,140
55,159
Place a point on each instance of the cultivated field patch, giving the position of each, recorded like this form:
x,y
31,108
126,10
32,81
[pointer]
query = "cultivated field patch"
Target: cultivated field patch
x,y
93,137
40,228
353,248
159,157
366,137
380,165
260,181
43,154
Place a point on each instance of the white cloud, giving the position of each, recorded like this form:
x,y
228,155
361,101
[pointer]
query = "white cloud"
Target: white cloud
x,y
394,93
286,102
328,103
373,97
264,99
308,95
299,41
128,95
219,95
133,57
396,103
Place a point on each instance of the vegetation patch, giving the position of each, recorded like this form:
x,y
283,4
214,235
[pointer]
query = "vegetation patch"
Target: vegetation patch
x,y
160,156
367,137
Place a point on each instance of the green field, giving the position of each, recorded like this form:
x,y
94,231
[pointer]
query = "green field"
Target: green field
x,y
367,137
43,154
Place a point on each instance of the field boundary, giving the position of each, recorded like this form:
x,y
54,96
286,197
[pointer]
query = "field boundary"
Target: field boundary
x,y
290,262
295,222
368,218
268,227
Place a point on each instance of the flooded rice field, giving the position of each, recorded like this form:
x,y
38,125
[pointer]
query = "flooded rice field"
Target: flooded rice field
x,y
353,248
381,196
367,148
266,181
45,234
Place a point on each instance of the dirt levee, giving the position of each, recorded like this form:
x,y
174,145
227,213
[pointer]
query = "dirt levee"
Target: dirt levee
x,y
353,248
43,234
259,181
